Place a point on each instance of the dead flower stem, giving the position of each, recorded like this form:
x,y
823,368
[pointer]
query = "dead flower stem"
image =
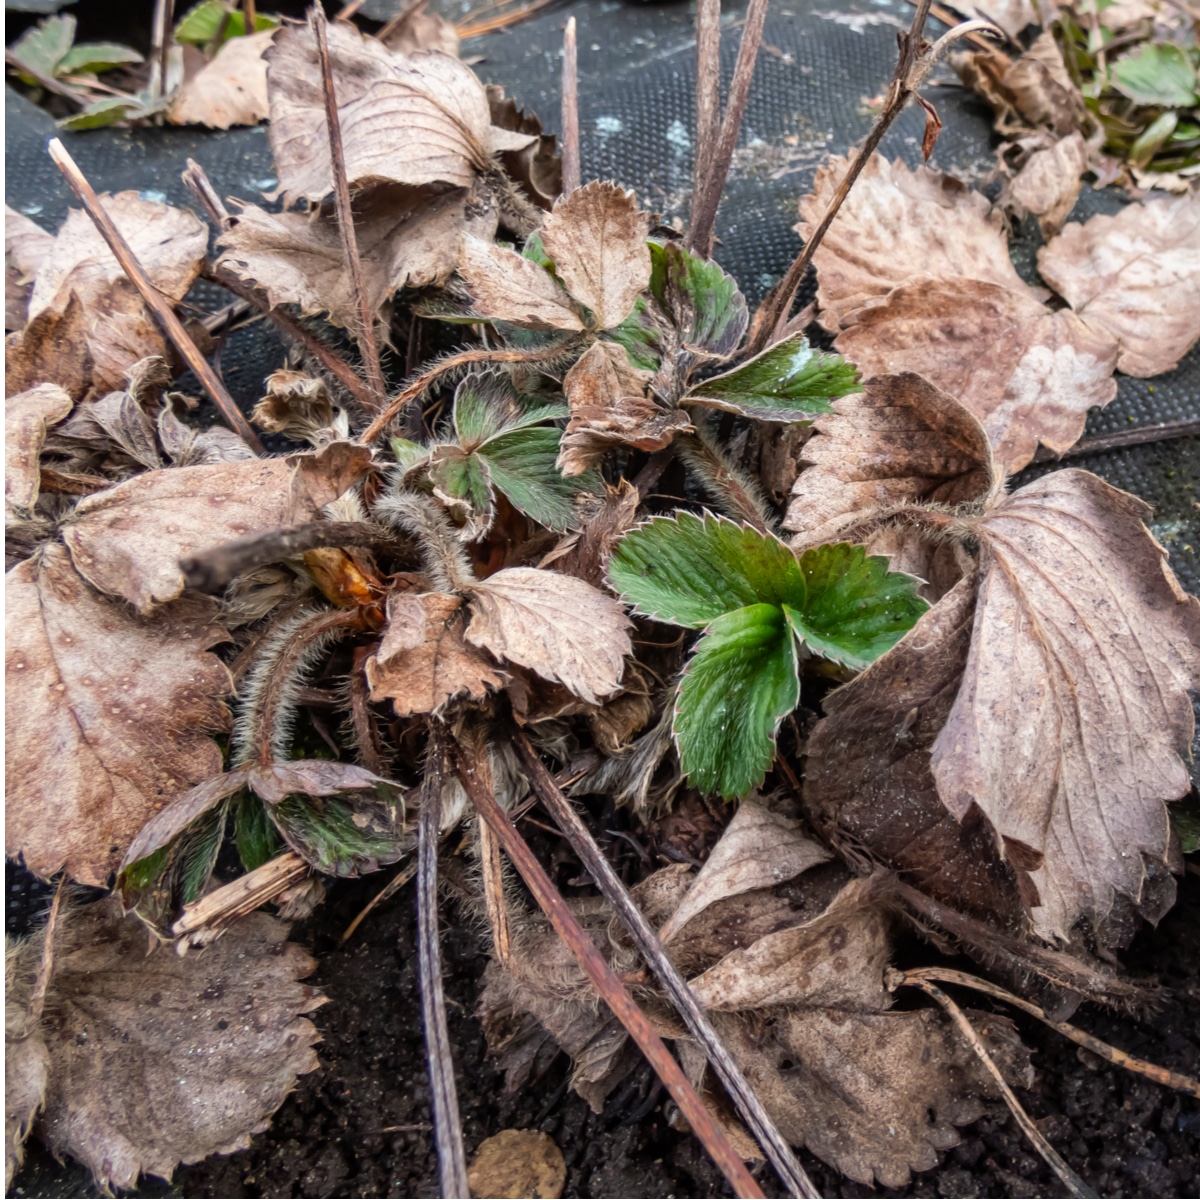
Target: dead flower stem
x,y
572,169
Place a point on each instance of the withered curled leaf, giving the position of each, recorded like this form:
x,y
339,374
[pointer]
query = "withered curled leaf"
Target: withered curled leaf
x,y
26,244
26,418
1050,181
230,89
507,286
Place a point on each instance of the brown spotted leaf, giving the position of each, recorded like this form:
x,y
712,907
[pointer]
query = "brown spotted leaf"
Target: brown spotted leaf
x,y
1028,374
423,661
610,405
597,239
563,628
1073,712
26,244
26,419
230,89
1134,278
507,286
108,716
128,540
165,1059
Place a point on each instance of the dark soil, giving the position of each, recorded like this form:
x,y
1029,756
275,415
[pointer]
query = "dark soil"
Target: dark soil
x,y
360,1125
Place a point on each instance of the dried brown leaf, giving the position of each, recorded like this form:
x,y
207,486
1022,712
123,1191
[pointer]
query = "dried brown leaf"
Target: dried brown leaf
x,y
899,224
1134,278
868,785
758,849
1068,728
1028,374
602,520
166,1059
26,1059
518,1163
597,239
108,716
170,243
506,286
537,167
128,540
1011,15
417,29
26,419
1050,181
231,89
423,662
412,119
563,628
610,405
407,237
52,348
26,244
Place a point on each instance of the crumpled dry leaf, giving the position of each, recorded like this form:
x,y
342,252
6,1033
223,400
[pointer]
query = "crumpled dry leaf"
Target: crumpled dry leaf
x,y
52,347
170,243
518,1163
1050,181
26,244
901,440
26,1059
26,419
423,661
759,848
896,225
231,89
507,286
610,405
868,785
108,716
411,119
128,540
166,1059
563,628
407,237
1134,278
1011,15
1028,374
1073,713
603,519
597,239
537,167
417,29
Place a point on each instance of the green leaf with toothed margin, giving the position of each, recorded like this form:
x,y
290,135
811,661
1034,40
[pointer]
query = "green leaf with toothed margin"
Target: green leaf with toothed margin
x,y
788,382
523,464
642,334
705,304
739,684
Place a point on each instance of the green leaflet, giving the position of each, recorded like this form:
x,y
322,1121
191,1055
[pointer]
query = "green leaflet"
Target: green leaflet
x,y
641,334
101,113
95,57
217,18
408,454
740,683
788,382
689,570
257,841
523,464
45,45
705,304
1157,73
460,480
340,837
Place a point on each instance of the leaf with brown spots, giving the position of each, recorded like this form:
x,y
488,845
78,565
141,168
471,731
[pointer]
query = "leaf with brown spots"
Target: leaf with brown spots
x,y
128,540
108,716
26,418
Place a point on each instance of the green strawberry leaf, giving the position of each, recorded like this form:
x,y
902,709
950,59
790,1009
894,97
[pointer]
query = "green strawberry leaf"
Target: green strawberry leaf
x,y
481,403
408,454
705,304
460,481
1157,73
211,20
788,382
340,836
522,463
95,57
853,608
102,113
738,685
45,45
688,570
254,833
642,335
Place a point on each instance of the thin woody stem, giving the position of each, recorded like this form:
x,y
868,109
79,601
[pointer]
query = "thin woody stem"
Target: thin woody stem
x,y
708,88
1144,435
172,325
572,170
367,343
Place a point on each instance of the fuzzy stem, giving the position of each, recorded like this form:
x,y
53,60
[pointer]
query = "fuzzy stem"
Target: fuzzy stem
x,y
732,488
423,519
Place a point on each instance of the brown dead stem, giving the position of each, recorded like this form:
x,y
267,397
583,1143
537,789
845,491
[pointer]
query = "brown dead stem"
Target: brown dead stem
x,y
571,166
207,918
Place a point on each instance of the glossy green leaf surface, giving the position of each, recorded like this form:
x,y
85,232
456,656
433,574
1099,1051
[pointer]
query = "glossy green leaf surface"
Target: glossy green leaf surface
x,y
523,465
706,305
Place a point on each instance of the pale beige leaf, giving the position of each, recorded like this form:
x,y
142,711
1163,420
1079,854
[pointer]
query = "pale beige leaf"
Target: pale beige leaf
x,y
26,1059
610,404
1028,374
1011,15
407,237
128,540
1134,278
564,629
26,419
165,1059
1073,712
518,1163
25,245
900,440
1050,181
428,663
229,90
507,286
597,238
413,119
108,716
170,243
417,29
758,849
896,225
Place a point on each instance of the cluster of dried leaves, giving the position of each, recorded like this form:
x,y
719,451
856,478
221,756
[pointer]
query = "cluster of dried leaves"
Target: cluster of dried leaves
x,y
984,690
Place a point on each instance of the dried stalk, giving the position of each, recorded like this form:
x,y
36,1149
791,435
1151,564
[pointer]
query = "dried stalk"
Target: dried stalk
x,y
1160,1075
610,987
71,485
48,82
452,1163
493,892
1071,1181
367,344
907,77
205,919
160,54
572,168
707,197
1146,434
749,1107
393,886
250,15
708,87
172,325
45,971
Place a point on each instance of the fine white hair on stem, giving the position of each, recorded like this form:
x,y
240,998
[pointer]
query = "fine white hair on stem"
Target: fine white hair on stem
x,y
423,519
